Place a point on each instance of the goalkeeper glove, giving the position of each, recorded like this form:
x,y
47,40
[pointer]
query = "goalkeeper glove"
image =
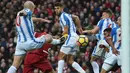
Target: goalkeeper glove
x,y
63,38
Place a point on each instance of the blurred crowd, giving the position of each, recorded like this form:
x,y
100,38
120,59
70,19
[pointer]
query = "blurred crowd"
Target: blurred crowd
x,y
89,12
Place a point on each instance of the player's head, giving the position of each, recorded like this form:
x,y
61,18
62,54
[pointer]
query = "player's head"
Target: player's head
x,y
30,5
107,32
58,7
119,21
106,14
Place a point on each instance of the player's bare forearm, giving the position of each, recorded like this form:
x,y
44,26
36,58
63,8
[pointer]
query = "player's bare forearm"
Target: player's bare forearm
x,y
109,41
77,22
88,31
93,31
40,20
65,30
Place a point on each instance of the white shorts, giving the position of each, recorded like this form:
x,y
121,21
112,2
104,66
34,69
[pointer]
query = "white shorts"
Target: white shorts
x,y
110,61
70,47
23,47
110,58
119,60
100,52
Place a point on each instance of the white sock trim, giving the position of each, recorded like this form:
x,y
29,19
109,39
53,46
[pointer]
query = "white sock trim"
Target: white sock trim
x,y
76,66
12,69
95,67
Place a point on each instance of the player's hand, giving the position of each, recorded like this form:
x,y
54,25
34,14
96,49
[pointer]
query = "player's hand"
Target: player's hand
x,y
63,38
80,30
85,31
48,21
115,51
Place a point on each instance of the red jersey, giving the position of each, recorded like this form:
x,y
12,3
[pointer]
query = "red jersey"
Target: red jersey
x,y
41,53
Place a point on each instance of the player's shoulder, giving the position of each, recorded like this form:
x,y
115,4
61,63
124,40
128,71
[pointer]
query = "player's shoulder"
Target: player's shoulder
x,y
65,14
26,9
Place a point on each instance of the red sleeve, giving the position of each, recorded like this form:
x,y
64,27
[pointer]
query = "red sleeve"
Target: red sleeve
x,y
38,34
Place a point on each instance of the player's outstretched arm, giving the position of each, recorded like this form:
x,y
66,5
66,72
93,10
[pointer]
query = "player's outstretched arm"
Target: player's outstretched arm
x,y
40,20
77,22
93,31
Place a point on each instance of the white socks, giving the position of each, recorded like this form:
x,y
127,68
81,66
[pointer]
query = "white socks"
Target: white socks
x,y
77,67
95,67
60,66
12,69
55,41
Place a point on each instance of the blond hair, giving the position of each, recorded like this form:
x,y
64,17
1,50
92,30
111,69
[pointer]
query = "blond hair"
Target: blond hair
x,y
29,5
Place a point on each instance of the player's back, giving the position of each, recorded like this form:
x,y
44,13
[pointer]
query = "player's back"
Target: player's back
x,y
66,20
24,26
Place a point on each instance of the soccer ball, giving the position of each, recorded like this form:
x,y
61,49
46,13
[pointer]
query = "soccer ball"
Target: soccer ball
x,y
82,41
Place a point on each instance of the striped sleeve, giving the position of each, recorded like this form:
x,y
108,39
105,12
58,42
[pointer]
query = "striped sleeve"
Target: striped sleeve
x,y
100,23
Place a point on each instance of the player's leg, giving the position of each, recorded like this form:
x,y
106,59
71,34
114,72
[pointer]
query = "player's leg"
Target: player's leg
x,y
44,65
105,68
109,62
94,64
28,69
75,65
16,63
61,61
99,51
18,58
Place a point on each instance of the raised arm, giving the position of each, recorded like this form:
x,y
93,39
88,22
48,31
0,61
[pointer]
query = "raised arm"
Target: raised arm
x,y
77,22
96,28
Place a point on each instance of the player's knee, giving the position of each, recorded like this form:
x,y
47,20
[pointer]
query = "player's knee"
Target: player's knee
x,y
70,62
48,38
103,71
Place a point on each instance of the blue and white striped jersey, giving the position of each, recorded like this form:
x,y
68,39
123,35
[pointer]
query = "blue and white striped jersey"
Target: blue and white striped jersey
x,y
25,27
66,20
103,24
116,35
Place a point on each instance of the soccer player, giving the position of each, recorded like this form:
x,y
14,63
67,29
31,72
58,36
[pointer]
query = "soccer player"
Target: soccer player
x,y
69,47
98,51
113,37
26,40
38,58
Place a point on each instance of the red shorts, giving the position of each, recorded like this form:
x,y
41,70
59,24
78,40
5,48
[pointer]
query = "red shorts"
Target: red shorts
x,y
34,61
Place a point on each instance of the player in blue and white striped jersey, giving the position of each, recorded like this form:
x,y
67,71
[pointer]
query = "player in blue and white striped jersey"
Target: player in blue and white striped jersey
x,y
26,40
98,51
113,37
69,48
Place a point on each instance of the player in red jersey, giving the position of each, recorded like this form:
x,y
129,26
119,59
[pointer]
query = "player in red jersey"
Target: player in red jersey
x,y
38,59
